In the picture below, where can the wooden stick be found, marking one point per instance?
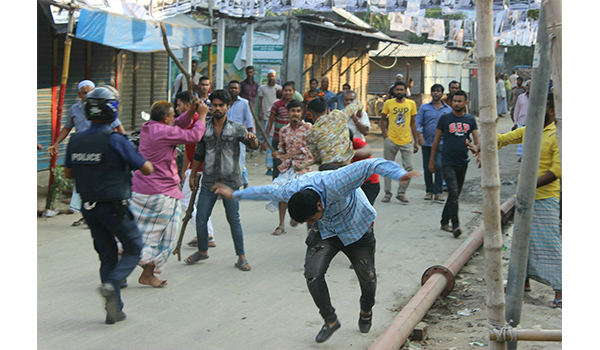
(187, 217)
(188, 78)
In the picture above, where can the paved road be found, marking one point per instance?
(213, 305)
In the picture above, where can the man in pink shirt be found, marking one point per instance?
(155, 199)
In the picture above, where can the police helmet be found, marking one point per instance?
(101, 104)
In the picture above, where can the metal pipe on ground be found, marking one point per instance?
(439, 282)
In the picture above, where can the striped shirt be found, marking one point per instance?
(347, 212)
(281, 117)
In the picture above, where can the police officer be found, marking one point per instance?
(100, 160)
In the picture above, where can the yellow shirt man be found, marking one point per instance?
(399, 118)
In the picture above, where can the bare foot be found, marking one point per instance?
(152, 280)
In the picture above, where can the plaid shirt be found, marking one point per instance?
(347, 211)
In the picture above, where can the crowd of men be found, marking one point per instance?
(317, 155)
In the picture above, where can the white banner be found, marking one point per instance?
(437, 31)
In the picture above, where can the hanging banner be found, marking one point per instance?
(466, 5)
(437, 31)
(434, 4)
(280, 6)
(448, 7)
(378, 6)
(454, 29)
(498, 16)
(353, 6)
(315, 5)
(396, 5)
(518, 5)
(396, 21)
(468, 36)
(498, 5)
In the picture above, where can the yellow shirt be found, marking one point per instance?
(549, 158)
(399, 117)
(328, 140)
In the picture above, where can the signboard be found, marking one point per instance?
(471, 55)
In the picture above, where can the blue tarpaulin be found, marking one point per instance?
(139, 35)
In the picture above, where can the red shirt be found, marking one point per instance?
(358, 143)
(190, 148)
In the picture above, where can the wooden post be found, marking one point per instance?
(490, 180)
(554, 28)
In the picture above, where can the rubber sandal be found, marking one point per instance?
(293, 223)
(278, 231)
(78, 222)
(243, 265)
(557, 304)
(194, 258)
(386, 198)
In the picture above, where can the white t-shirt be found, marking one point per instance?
(364, 120)
(269, 95)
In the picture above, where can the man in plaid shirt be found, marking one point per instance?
(342, 219)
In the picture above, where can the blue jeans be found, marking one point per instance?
(105, 224)
(204, 207)
(431, 185)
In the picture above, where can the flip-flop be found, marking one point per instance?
(243, 265)
(278, 231)
(78, 222)
(293, 223)
(557, 304)
(194, 258)
(386, 198)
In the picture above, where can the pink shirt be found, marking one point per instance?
(158, 142)
(521, 108)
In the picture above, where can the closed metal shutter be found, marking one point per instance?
(380, 79)
(45, 35)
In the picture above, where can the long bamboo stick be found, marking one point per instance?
(490, 179)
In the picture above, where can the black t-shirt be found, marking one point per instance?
(455, 132)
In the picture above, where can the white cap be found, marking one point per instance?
(271, 71)
(400, 75)
(85, 83)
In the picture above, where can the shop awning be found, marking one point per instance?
(140, 35)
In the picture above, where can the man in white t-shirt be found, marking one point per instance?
(267, 94)
(360, 125)
(181, 84)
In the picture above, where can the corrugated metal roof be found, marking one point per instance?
(410, 50)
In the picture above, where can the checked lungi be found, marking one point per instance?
(544, 263)
(159, 219)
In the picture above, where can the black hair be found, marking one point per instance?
(453, 82)
(351, 133)
(317, 105)
(288, 83)
(160, 109)
(313, 79)
(293, 104)
(460, 93)
(220, 95)
(399, 82)
(249, 67)
(550, 100)
(348, 85)
(204, 77)
(303, 204)
(437, 87)
(183, 96)
(233, 82)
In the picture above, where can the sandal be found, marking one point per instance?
(279, 230)
(386, 198)
(243, 265)
(293, 223)
(194, 258)
(557, 304)
(78, 222)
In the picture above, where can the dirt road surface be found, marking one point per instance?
(213, 305)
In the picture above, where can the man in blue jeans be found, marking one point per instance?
(454, 130)
(100, 160)
(427, 119)
(219, 151)
(340, 218)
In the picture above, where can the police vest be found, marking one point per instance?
(97, 177)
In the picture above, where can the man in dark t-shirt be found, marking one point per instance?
(454, 129)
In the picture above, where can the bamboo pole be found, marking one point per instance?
(554, 28)
(527, 335)
(61, 99)
(538, 93)
(490, 179)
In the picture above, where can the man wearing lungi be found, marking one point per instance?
(544, 262)
(155, 198)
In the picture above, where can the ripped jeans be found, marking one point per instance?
(320, 252)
